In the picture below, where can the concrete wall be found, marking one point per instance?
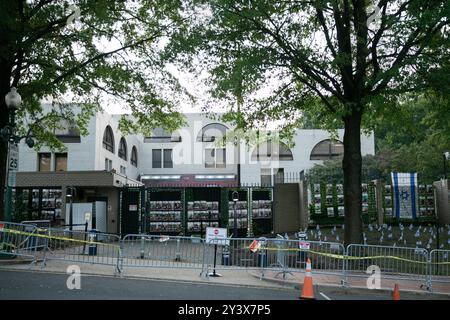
(286, 208)
(442, 196)
(188, 155)
(305, 141)
(89, 154)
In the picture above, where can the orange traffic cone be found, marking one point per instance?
(308, 290)
(396, 293)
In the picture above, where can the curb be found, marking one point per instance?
(204, 281)
(346, 290)
(8, 262)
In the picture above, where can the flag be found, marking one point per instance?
(405, 194)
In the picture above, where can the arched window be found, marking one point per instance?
(212, 132)
(327, 149)
(134, 159)
(272, 151)
(108, 139)
(160, 135)
(123, 149)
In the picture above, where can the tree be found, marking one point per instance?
(348, 54)
(53, 49)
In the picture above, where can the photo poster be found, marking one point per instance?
(426, 200)
(314, 198)
(405, 194)
(388, 206)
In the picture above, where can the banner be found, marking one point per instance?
(405, 194)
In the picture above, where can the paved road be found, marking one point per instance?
(43, 285)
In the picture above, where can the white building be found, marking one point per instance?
(192, 156)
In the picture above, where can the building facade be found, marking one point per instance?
(203, 153)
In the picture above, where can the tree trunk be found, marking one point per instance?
(352, 165)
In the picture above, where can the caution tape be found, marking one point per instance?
(56, 238)
(346, 257)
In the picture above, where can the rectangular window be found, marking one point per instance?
(156, 158)
(221, 158)
(209, 158)
(168, 158)
(44, 161)
(123, 170)
(108, 164)
(60, 161)
(215, 158)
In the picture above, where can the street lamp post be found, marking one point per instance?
(13, 101)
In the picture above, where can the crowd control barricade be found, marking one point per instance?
(82, 247)
(230, 254)
(18, 240)
(41, 229)
(160, 251)
(368, 262)
(439, 272)
(281, 256)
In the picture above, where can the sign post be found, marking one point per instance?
(304, 247)
(13, 166)
(218, 236)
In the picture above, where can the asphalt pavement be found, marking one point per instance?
(15, 284)
(42, 285)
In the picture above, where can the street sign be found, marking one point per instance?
(132, 207)
(87, 216)
(13, 164)
(304, 245)
(13, 157)
(217, 236)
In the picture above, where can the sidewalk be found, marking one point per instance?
(248, 278)
(354, 280)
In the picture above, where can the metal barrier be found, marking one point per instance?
(19, 240)
(281, 255)
(439, 267)
(394, 262)
(326, 257)
(38, 223)
(264, 254)
(82, 247)
(162, 251)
